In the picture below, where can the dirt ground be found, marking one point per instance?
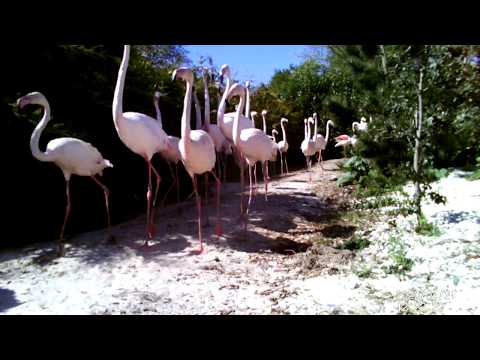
(294, 235)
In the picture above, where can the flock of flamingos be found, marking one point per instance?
(199, 150)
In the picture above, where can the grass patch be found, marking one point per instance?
(364, 272)
(474, 176)
(424, 227)
(355, 243)
(401, 263)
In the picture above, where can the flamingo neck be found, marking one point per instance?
(157, 111)
(198, 111)
(327, 132)
(247, 108)
(253, 120)
(316, 129)
(187, 108)
(117, 106)
(35, 139)
(274, 138)
(236, 120)
(284, 133)
(207, 103)
(264, 124)
(305, 131)
(221, 107)
(353, 125)
(309, 131)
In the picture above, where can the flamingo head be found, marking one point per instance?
(253, 113)
(305, 121)
(314, 115)
(183, 73)
(236, 90)
(363, 119)
(330, 122)
(247, 84)
(282, 120)
(157, 95)
(224, 71)
(32, 98)
(310, 120)
(264, 112)
(274, 132)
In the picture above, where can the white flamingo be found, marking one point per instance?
(252, 143)
(247, 107)
(72, 156)
(283, 146)
(197, 150)
(222, 146)
(308, 146)
(275, 150)
(170, 154)
(264, 114)
(252, 115)
(362, 125)
(141, 133)
(320, 141)
(225, 121)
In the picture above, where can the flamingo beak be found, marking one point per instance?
(174, 75)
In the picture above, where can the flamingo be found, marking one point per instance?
(320, 141)
(264, 114)
(362, 125)
(275, 150)
(225, 121)
(308, 146)
(197, 150)
(283, 145)
(72, 156)
(141, 133)
(252, 143)
(247, 107)
(346, 140)
(222, 146)
(170, 154)
(252, 115)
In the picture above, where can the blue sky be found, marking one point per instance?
(250, 62)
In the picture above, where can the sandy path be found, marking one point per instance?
(241, 273)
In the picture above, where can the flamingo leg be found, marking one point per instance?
(149, 199)
(162, 203)
(286, 163)
(111, 238)
(177, 183)
(255, 176)
(251, 187)
(199, 209)
(60, 244)
(152, 219)
(206, 199)
(265, 179)
(224, 160)
(218, 229)
(281, 163)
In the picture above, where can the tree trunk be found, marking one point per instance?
(417, 159)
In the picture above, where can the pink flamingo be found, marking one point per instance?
(142, 134)
(197, 150)
(72, 156)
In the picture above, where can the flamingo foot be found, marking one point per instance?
(219, 230)
(145, 246)
(111, 240)
(199, 250)
(61, 249)
(151, 231)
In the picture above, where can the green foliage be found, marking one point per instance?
(401, 263)
(356, 243)
(424, 227)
